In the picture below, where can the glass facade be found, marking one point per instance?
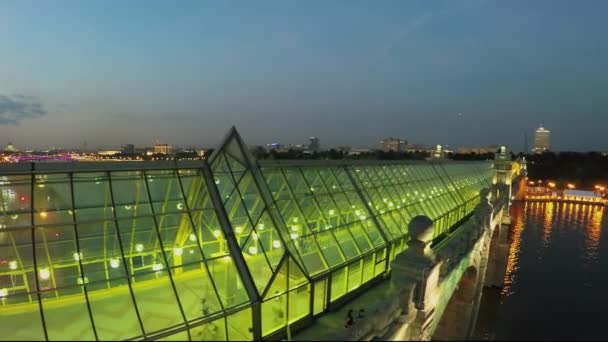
(225, 249)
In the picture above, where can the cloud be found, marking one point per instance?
(15, 108)
(399, 36)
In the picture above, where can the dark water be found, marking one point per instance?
(556, 284)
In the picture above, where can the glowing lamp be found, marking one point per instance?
(12, 265)
(179, 206)
(3, 293)
(139, 247)
(294, 228)
(192, 237)
(331, 211)
(43, 214)
(157, 267)
(77, 256)
(276, 244)
(253, 250)
(238, 229)
(217, 233)
(44, 273)
(114, 262)
(261, 226)
(178, 251)
(293, 236)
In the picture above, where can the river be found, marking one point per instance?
(556, 283)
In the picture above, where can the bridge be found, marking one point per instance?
(232, 248)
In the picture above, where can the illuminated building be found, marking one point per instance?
(161, 148)
(222, 248)
(542, 140)
(11, 148)
(393, 144)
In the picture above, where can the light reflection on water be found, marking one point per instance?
(556, 282)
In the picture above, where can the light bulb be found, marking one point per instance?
(157, 267)
(12, 265)
(77, 256)
(3, 293)
(114, 262)
(178, 251)
(253, 250)
(238, 229)
(192, 237)
(139, 247)
(217, 233)
(276, 244)
(44, 273)
(293, 236)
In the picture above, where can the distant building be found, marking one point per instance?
(393, 144)
(314, 145)
(161, 148)
(479, 150)
(344, 149)
(108, 152)
(438, 152)
(11, 148)
(542, 140)
(128, 149)
(358, 151)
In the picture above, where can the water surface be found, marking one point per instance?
(556, 284)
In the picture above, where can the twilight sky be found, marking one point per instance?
(347, 71)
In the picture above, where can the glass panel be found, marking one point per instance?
(240, 326)
(196, 293)
(320, 299)
(274, 314)
(299, 303)
(158, 307)
(67, 322)
(52, 199)
(212, 331)
(338, 284)
(354, 275)
(117, 310)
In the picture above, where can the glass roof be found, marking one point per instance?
(229, 249)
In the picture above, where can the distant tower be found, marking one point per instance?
(542, 140)
(314, 145)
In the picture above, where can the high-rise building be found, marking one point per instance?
(128, 149)
(393, 144)
(542, 140)
(314, 145)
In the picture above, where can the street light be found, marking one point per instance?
(551, 185)
(570, 186)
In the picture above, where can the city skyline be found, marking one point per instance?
(452, 73)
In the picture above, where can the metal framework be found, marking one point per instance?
(230, 249)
